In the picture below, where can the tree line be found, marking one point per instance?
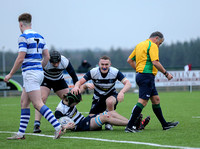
(173, 57)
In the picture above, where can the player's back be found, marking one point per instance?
(33, 44)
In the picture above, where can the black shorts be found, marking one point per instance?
(84, 125)
(99, 106)
(55, 85)
(146, 83)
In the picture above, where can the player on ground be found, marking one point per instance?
(67, 108)
(54, 79)
(105, 96)
(33, 55)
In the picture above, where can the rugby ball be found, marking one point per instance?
(64, 120)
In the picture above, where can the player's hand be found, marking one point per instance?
(76, 90)
(70, 125)
(169, 76)
(90, 86)
(7, 78)
(120, 97)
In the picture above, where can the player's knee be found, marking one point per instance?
(44, 99)
(109, 103)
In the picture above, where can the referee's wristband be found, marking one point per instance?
(166, 73)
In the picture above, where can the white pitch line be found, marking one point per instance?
(196, 117)
(106, 140)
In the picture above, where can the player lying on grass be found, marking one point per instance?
(67, 110)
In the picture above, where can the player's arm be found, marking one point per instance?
(159, 66)
(68, 126)
(72, 73)
(127, 86)
(131, 63)
(131, 59)
(78, 84)
(18, 62)
(85, 86)
(46, 57)
(76, 90)
(153, 52)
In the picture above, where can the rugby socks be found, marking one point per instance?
(137, 109)
(37, 123)
(47, 113)
(25, 116)
(158, 112)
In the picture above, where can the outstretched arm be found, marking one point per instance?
(83, 87)
(76, 90)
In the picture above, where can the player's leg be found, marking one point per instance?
(117, 115)
(25, 116)
(158, 112)
(60, 87)
(103, 118)
(144, 82)
(110, 103)
(35, 97)
(61, 92)
(45, 91)
(157, 109)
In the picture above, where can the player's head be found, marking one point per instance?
(24, 21)
(55, 58)
(104, 64)
(157, 37)
(71, 99)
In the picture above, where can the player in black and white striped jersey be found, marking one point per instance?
(54, 79)
(104, 78)
(67, 107)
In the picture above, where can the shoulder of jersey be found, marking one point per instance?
(113, 69)
(64, 60)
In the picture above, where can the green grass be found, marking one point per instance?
(178, 106)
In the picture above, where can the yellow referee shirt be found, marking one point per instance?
(144, 53)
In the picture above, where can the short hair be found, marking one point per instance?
(26, 18)
(157, 33)
(105, 57)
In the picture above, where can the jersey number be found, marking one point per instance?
(37, 40)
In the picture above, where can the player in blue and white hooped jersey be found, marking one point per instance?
(104, 77)
(54, 79)
(32, 56)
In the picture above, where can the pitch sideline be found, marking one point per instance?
(106, 140)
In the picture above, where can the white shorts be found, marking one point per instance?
(32, 80)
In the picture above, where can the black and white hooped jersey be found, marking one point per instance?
(71, 112)
(56, 73)
(103, 84)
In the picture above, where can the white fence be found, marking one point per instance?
(180, 78)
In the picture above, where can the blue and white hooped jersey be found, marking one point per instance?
(103, 85)
(33, 44)
(71, 112)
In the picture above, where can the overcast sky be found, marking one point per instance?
(80, 24)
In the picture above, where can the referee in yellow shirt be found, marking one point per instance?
(145, 60)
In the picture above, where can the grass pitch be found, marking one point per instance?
(177, 106)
